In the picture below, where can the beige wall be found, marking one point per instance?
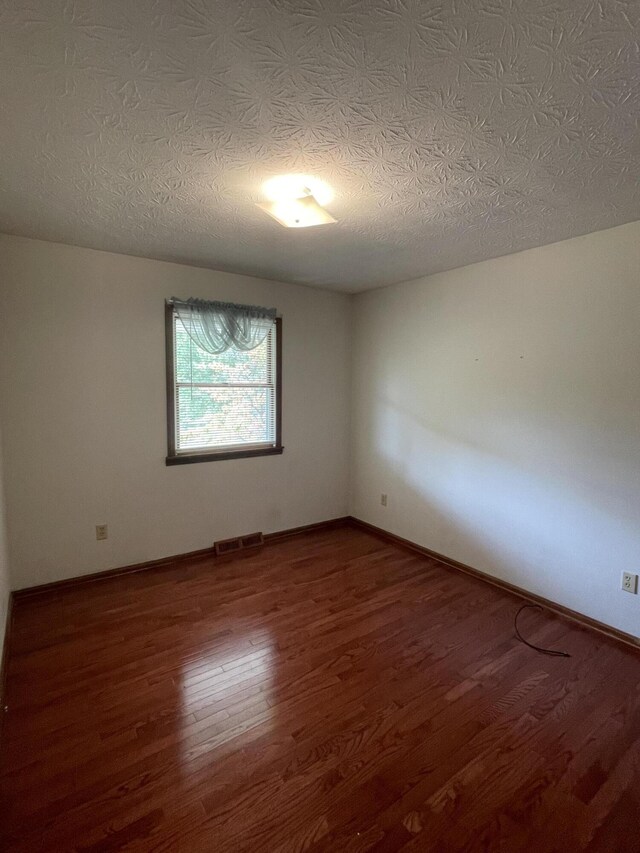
(5, 584)
(82, 384)
(498, 405)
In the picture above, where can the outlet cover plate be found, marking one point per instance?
(630, 582)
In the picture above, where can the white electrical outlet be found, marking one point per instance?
(629, 582)
(101, 531)
(383, 499)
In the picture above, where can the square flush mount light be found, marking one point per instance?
(297, 212)
(295, 201)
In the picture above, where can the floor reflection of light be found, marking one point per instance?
(225, 692)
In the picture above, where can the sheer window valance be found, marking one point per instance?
(218, 326)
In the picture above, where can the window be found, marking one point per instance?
(221, 406)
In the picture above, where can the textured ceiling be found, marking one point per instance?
(450, 131)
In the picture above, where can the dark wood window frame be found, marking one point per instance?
(174, 458)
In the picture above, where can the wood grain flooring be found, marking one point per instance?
(331, 691)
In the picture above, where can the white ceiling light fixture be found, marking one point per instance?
(298, 212)
(295, 201)
(296, 186)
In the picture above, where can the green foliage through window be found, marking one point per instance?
(224, 400)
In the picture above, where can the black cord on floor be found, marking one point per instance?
(542, 651)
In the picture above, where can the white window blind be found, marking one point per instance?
(225, 401)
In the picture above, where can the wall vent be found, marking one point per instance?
(238, 543)
(252, 540)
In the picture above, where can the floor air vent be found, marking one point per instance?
(239, 543)
(253, 540)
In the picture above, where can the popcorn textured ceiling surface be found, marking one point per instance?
(451, 131)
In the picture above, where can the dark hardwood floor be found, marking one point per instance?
(328, 692)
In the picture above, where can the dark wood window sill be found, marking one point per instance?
(217, 456)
